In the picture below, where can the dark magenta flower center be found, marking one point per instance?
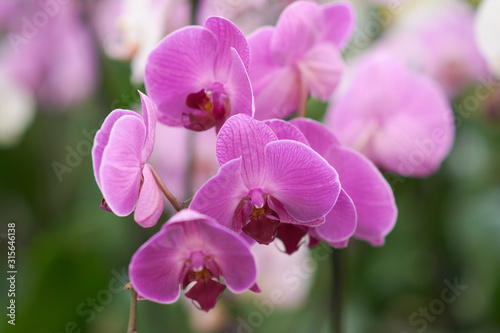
(291, 235)
(262, 224)
(209, 107)
(205, 274)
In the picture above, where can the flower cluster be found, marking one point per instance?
(281, 181)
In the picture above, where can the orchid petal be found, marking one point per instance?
(229, 36)
(320, 138)
(221, 195)
(276, 88)
(404, 123)
(370, 192)
(277, 95)
(340, 223)
(238, 87)
(300, 179)
(232, 254)
(149, 116)
(286, 131)
(321, 68)
(181, 64)
(150, 203)
(339, 23)
(102, 137)
(298, 28)
(156, 267)
(245, 137)
(120, 170)
(285, 217)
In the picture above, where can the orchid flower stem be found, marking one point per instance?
(132, 320)
(170, 197)
(337, 291)
(304, 96)
(194, 10)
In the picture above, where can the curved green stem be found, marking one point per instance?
(132, 320)
(337, 295)
(170, 197)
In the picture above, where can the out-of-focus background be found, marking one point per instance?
(64, 65)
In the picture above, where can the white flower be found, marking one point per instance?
(487, 31)
(17, 110)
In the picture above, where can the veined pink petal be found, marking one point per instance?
(150, 203)
(370, 192)
(120, 170)
(229, 36)
(340, 223)
(181, 64)
(286, 131)
(155, 268)
(321, 68)
(285, 217)
(102, 137)
(299, 28)
(238, 87)
(232, 254)
(339, 23)
(300, 179)
(220, 195)
(242, 136)
(320, 138)
(149, 116)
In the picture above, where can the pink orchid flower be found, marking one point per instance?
(264, 182)
(298, 57)
(197, 76)
(400, 120)
(121, 149)
(193, 251)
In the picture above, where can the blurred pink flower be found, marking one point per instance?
(49, 52)
(399, 119)
(299, 57)
(438, 40)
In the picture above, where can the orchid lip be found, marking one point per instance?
(201, 281)
(209, 106)
(262, 222)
